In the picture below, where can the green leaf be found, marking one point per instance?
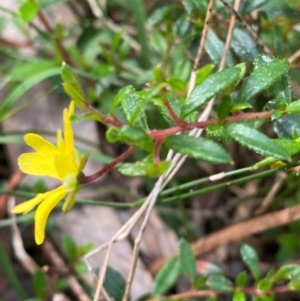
(281, 91)
(291, 146)
(293, 107)
(114, 284)
(69, 247)
(253, 4)
(244, 45)
(166, 277)
(132, 105)
(200, 283)
(174, 103)
(181, 26)
(28, 10)
(264, 75)
(224, 107)
(144, 167)
(40, 284)
(241, 279)
(215, 48)
(137, 137)
(288, 126)
(287, 272)
(255, 140)
(81, 268)
(203, 73)
(72, 86)
(219, 283)
(176, 84)
(250, 258)
(241, 106)
(113, 134)
(239, 296)
(187, 259)
(264, 284)
(198, 148)
(210, 87)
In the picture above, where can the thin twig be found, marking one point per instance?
(229, 35)
(57, 261)
(277, 184)
(294, 57)
(246, 26)
(237, 233)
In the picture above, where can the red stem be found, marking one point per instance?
(160, 134)
(173, 114)
(86, 179)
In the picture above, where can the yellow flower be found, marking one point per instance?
(62, 162)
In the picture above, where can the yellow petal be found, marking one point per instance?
(69, 136)
(38, 164)
(40, 144)
(43, 211)
(29, 205)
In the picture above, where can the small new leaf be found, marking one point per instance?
(28, 10)
(293, 107)
(72, 86)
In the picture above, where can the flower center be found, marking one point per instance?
(71, 182)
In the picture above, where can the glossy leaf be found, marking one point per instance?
(250, 258)
(166, 277)
(288, 126)
(219, 283)
(244, 45)
(114, 284)
(252, 5)
(137, 137)
(264, 285)
(187, 259)
(144, 167)
(224, 107)
(293, 107)
(281, 91)
(264, 75)
(132, 105)
(287, 272)
(203, 73)
(255, 140)
(291, 146)
(210, 87)
(176, 106)
(72, 86)
(214, 47)
(198, 148)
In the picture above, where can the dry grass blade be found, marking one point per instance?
(238, 232)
